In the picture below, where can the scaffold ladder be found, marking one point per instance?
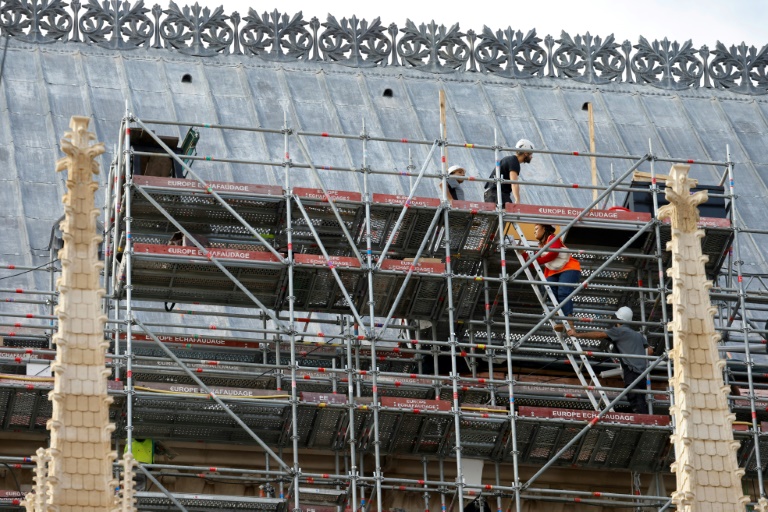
(564, 341)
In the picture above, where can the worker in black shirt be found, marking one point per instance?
(509, 168)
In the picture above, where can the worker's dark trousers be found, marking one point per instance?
(636, 400)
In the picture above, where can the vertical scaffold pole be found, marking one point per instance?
(745, 326)
(291, 316)
(127, 255)
(661, 287)
(507, 330)
(352, 437)
(118, 186)
(109, 242)
(648, 398)
(442, 485)
(445, 205)
(106, 242)
(372, 335)
(498, 484)
(112, 217)
(426, 478)
(488, 333)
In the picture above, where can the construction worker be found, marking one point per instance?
(509, 168)
(559, 267)
(456, 177)
(629, 342)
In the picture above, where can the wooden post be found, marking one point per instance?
(443, 126)
(588, 107)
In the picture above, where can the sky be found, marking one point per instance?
(703, 21)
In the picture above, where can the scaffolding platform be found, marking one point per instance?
(186, 274)
(24, 404)
(189, 203)
(157, 501)
(637, 442)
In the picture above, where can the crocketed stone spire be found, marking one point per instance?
(708, 475)
(75, 472)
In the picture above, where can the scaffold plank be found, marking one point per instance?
(411, 430)
(157, 501)
(617, 440)
(561, 214)
(262, 206)
(424, 291)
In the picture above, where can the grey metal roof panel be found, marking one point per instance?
(55, 74)
(191, 107)
(505, 99)
(755, 144)
(102, 70)
(704, 114)
(678, 141)
(762, 111)
(36, 164)
(636, 138)
(145, 74)
(107, 104)
(152, 106)
(39, 202)
(748, 179)
(25, 97)
(23, 69)
(224, 80)
(625, 108)
(743, 116)
(31, 130)
(266, 85)
(64, 99)
(13, 234)
(10, 199)
(665, 112)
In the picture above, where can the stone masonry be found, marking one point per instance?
(708, 475)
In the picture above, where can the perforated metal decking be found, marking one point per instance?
(155, 501)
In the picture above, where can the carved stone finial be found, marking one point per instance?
(706, 469)
(683, 205)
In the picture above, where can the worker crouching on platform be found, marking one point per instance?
(559, 267)
(625, 341)
(456, 176)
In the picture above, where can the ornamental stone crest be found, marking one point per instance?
(353, 42)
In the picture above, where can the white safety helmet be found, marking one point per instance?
(524, 144)
(455, 168)
(624, 314)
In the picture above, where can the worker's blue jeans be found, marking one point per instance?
(561, 292)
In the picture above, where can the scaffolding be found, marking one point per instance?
(387, 325)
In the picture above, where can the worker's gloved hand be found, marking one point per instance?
(605, 346)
